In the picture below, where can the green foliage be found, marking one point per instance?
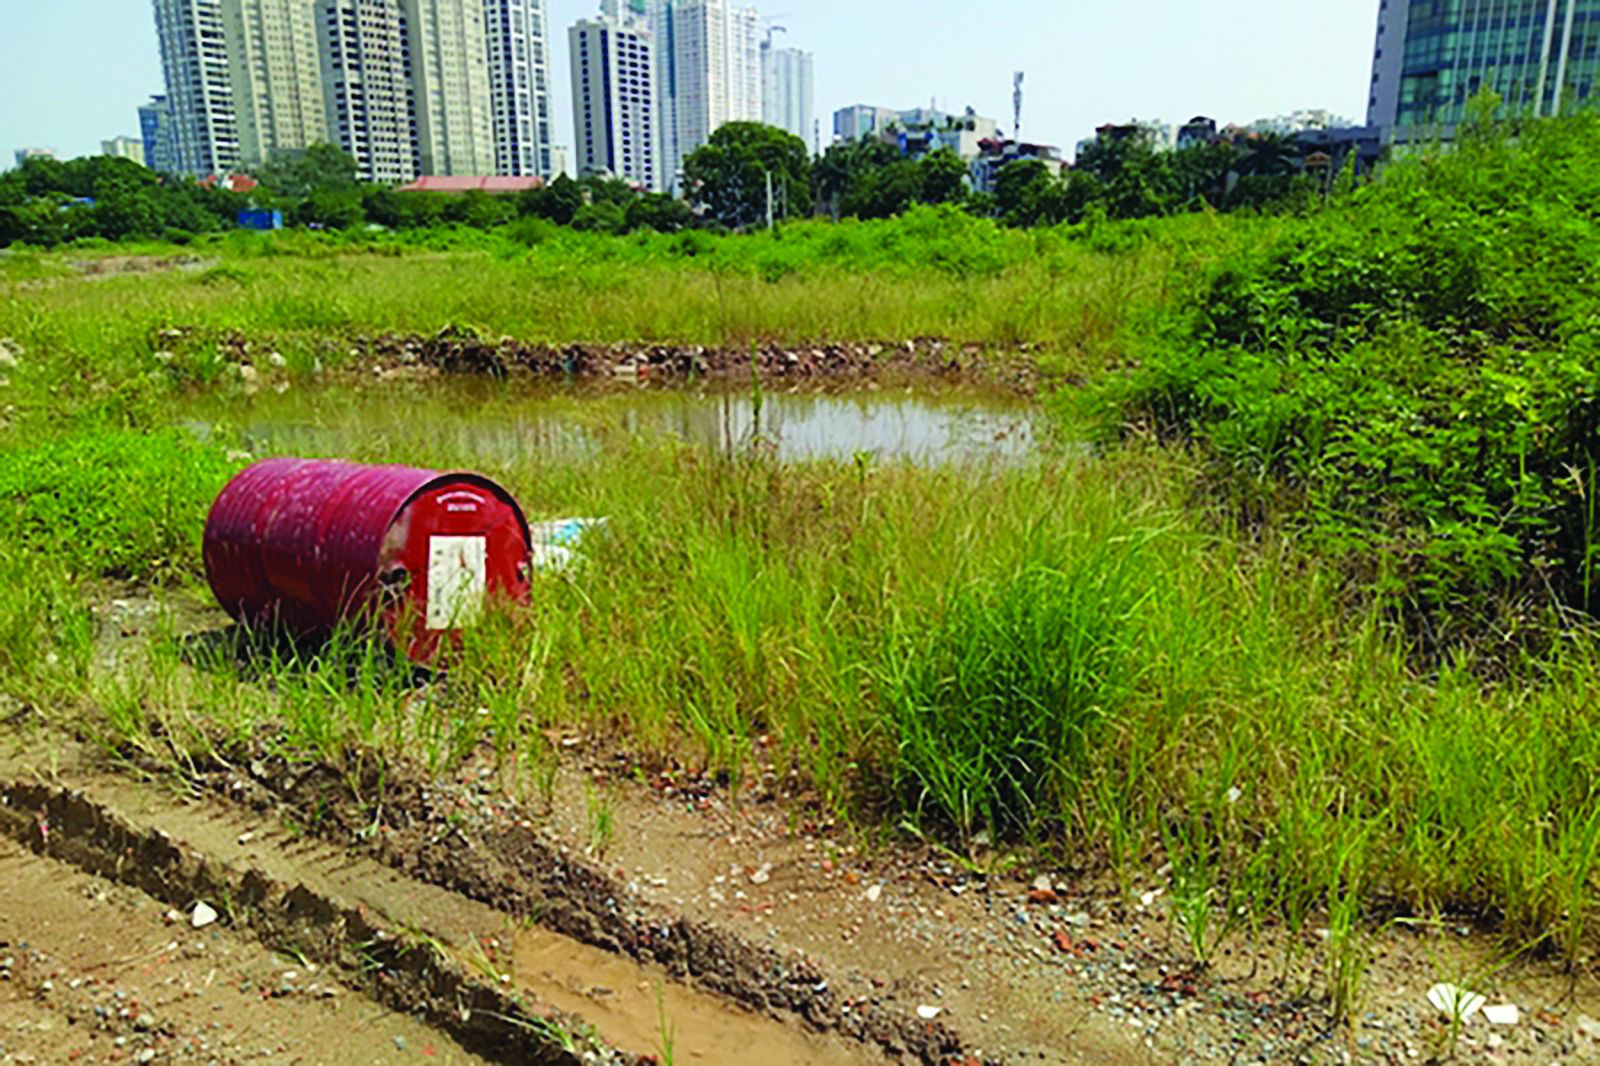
(728, 175)
(298, 175)
(48, 202)
(558, 201)
(113, 503)
(1413, 372)
(995, 709)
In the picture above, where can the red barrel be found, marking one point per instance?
(311, 542)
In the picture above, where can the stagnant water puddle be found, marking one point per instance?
(511, 422)
(637, 1009)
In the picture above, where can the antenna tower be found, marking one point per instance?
(1016, 107)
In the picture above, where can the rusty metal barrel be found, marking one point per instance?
(309, 543)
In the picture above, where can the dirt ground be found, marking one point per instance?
(94, 971)
(1039, 966)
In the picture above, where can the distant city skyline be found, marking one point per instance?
(85, 67)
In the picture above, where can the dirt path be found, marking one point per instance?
(1039, 966)
(696, 931)
(95, 971)
(303, 896)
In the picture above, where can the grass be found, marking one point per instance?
(1072, 654)
(894, 631)
(117, 347)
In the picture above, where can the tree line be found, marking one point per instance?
(746, 172)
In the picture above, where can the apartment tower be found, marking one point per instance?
(613, 96)
(276, 76)
(203, 129)
(1433, 56)
(155, 130)
(450, 65)
(787, 93)
(366, 78)
(708, 73)
(517, 37)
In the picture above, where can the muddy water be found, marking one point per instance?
(632, 1006)
(511, 422)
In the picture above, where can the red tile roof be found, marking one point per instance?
(232, 183)
(465, 183)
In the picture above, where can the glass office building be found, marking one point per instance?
(1433, 56)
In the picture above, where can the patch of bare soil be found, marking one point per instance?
(696, 930)
(494, 980)
(94, 971)
(1031, 965)
(113, 265)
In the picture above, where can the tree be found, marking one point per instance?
(327, 209)
(558, 201)
(842, 166)
(728, 175)
(600, 216)
(1201, 172)
(320, 168)
(884, 191)
(944, 177)
(1138, 180)
(664, 214)
(1018, 190)
(1270, 155)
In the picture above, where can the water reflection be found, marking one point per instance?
(476, 418)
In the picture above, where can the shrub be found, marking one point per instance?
(1413, 371)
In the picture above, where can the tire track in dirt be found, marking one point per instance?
(466, 956)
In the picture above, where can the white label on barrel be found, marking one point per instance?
(458, 579)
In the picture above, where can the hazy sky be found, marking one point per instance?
(73, 71)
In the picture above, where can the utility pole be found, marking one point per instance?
(769, 199)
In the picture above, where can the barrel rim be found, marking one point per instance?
(482, 481)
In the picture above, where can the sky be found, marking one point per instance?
(74, 71)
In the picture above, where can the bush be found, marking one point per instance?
(1413, 371)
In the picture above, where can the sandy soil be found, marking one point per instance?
(94, 971)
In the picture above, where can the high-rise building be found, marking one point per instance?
(519, 82)
(203, 134)
(708, 73)
(1433, 56)
(450, 65)
(276, 76)
(124, 148)
(613, 99)
(24, 154)
(367, 83)
(787, 93)
(155, 130)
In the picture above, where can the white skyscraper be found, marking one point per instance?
(519, 83)
(203, 133)
(450, 65)
(366, 75)
(613, 97)
(276, 76)
(708, 73)
(787, 95)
